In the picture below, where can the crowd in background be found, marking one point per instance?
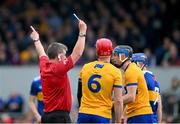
(171, 102)
(150, 26)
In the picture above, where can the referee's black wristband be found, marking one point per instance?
(82, 35)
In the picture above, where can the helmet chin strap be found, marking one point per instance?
(142, 68)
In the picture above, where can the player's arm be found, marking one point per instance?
(33, 108)
(131, 93)
(80, 44)
(39, 47)
(159, 110)
(79, 92)
(118, 104)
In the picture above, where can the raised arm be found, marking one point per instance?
(80, 44)
(39, 48)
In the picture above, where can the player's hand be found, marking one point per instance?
(82, 27)
(124, 120)
(38, 119)
(34, 34)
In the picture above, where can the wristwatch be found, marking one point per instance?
(82, 35)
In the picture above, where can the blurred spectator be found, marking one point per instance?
(160, 51)
(176, 38)
(15, 103)
(151, 58)
(14, 57)
(1, 105)
(171, 57)
(172, 98)
(3, 57)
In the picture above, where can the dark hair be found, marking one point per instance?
(54, 49)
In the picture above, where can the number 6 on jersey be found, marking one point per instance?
(93, 85)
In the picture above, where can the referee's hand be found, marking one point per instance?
(82, 27)
(34, 34)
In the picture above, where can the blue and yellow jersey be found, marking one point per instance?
(36, 90)
(135, 77)
(154, 90)
(98, 79)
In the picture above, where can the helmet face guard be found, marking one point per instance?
(121, 54)
(140, 59)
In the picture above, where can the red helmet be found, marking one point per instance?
(104, 47)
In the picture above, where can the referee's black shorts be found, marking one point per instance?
(56, 117)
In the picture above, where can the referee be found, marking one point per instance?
(55, 82)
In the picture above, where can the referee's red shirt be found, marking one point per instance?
(55, 84)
